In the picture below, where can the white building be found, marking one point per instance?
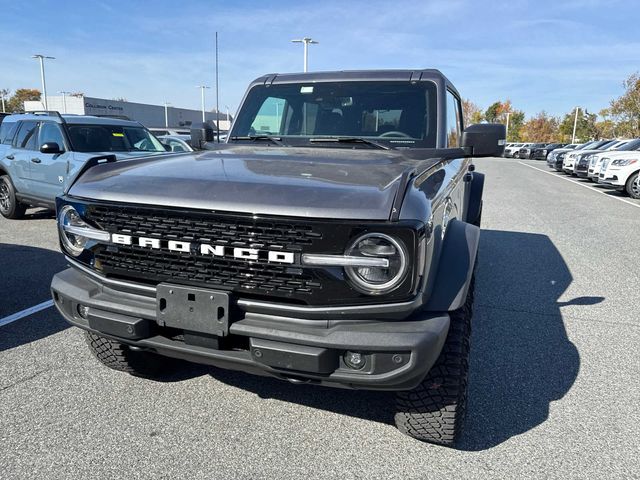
(151, 116)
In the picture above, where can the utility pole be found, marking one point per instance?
(44, 83)
(166, 114)
(2, 94)
(64, 100)
(202, 89)
(306, 41)
(575, 124)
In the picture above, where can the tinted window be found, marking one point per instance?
(453, 120)
(112, 138)
(632, 145)
(7, 131)
(27, 135)
(50, 133)
(392, 112)
(176, 145)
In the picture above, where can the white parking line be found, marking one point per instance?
(25, 313)
(637, 205)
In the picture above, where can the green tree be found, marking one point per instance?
(516, 122)
(21, 95)
(586, 128)
(626, 109)
(492, 112)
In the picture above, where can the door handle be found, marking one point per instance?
(9, 157)
(36, 160)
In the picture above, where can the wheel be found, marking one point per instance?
(633, 185)
(121, 357)
(10, 207)
(516, 155)
(434, 411)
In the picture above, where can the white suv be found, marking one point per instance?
(620, 171)
(571, 159)
(512, 148)
(595, 160)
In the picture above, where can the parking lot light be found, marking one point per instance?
(64, 100)
(575, 124)
(44, 84)
(202, 89)
(306, 41)
(166, 114)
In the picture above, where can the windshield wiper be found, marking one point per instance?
(255, 138)
(351, 140)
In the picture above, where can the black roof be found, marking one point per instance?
(355, 75)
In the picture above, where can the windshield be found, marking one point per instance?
(632, 145)
(399, 114)
(113, 138)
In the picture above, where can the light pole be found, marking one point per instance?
(64, 100)
(306, 41)
(506, 134)
(2, 94)
(575, 124)
(228, 117)
(202, 89)
(166, 114)
(44, 83)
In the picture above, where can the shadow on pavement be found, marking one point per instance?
(521, 361)
(25, 276)
(521, 357)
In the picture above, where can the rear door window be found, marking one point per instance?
(27, 135)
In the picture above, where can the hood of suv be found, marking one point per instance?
(303, 182)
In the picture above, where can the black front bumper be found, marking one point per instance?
(399, 353)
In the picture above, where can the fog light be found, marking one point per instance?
(355, 360)
(83, 311)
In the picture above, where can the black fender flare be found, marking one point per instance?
(455, 267)
(476, 189)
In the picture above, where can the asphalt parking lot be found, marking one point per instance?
(554, 388)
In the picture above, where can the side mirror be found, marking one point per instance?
(200, 135)
(52, 148)
(485, 139)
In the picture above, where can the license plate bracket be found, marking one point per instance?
(192, 308)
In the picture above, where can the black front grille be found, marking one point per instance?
(158, 265)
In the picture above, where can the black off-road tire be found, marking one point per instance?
(10, 207)
(121, 357)
(435, 410)
(633, 185)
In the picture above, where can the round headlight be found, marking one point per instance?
(378, 280)
(72, 242)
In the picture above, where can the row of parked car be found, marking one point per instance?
(614, 163)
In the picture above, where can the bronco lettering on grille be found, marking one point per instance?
(254, 254)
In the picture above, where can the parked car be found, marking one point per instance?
(569, 161)
(556, 159)
(527, 151)
(516, 154)
(596, 159)
(581, 165)
(159, 132)
(541, 153)
(511, 149)
(41, 153)
(620, 171)
(177, 143)
(337, 251)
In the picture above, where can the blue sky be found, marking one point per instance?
(543, 55)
